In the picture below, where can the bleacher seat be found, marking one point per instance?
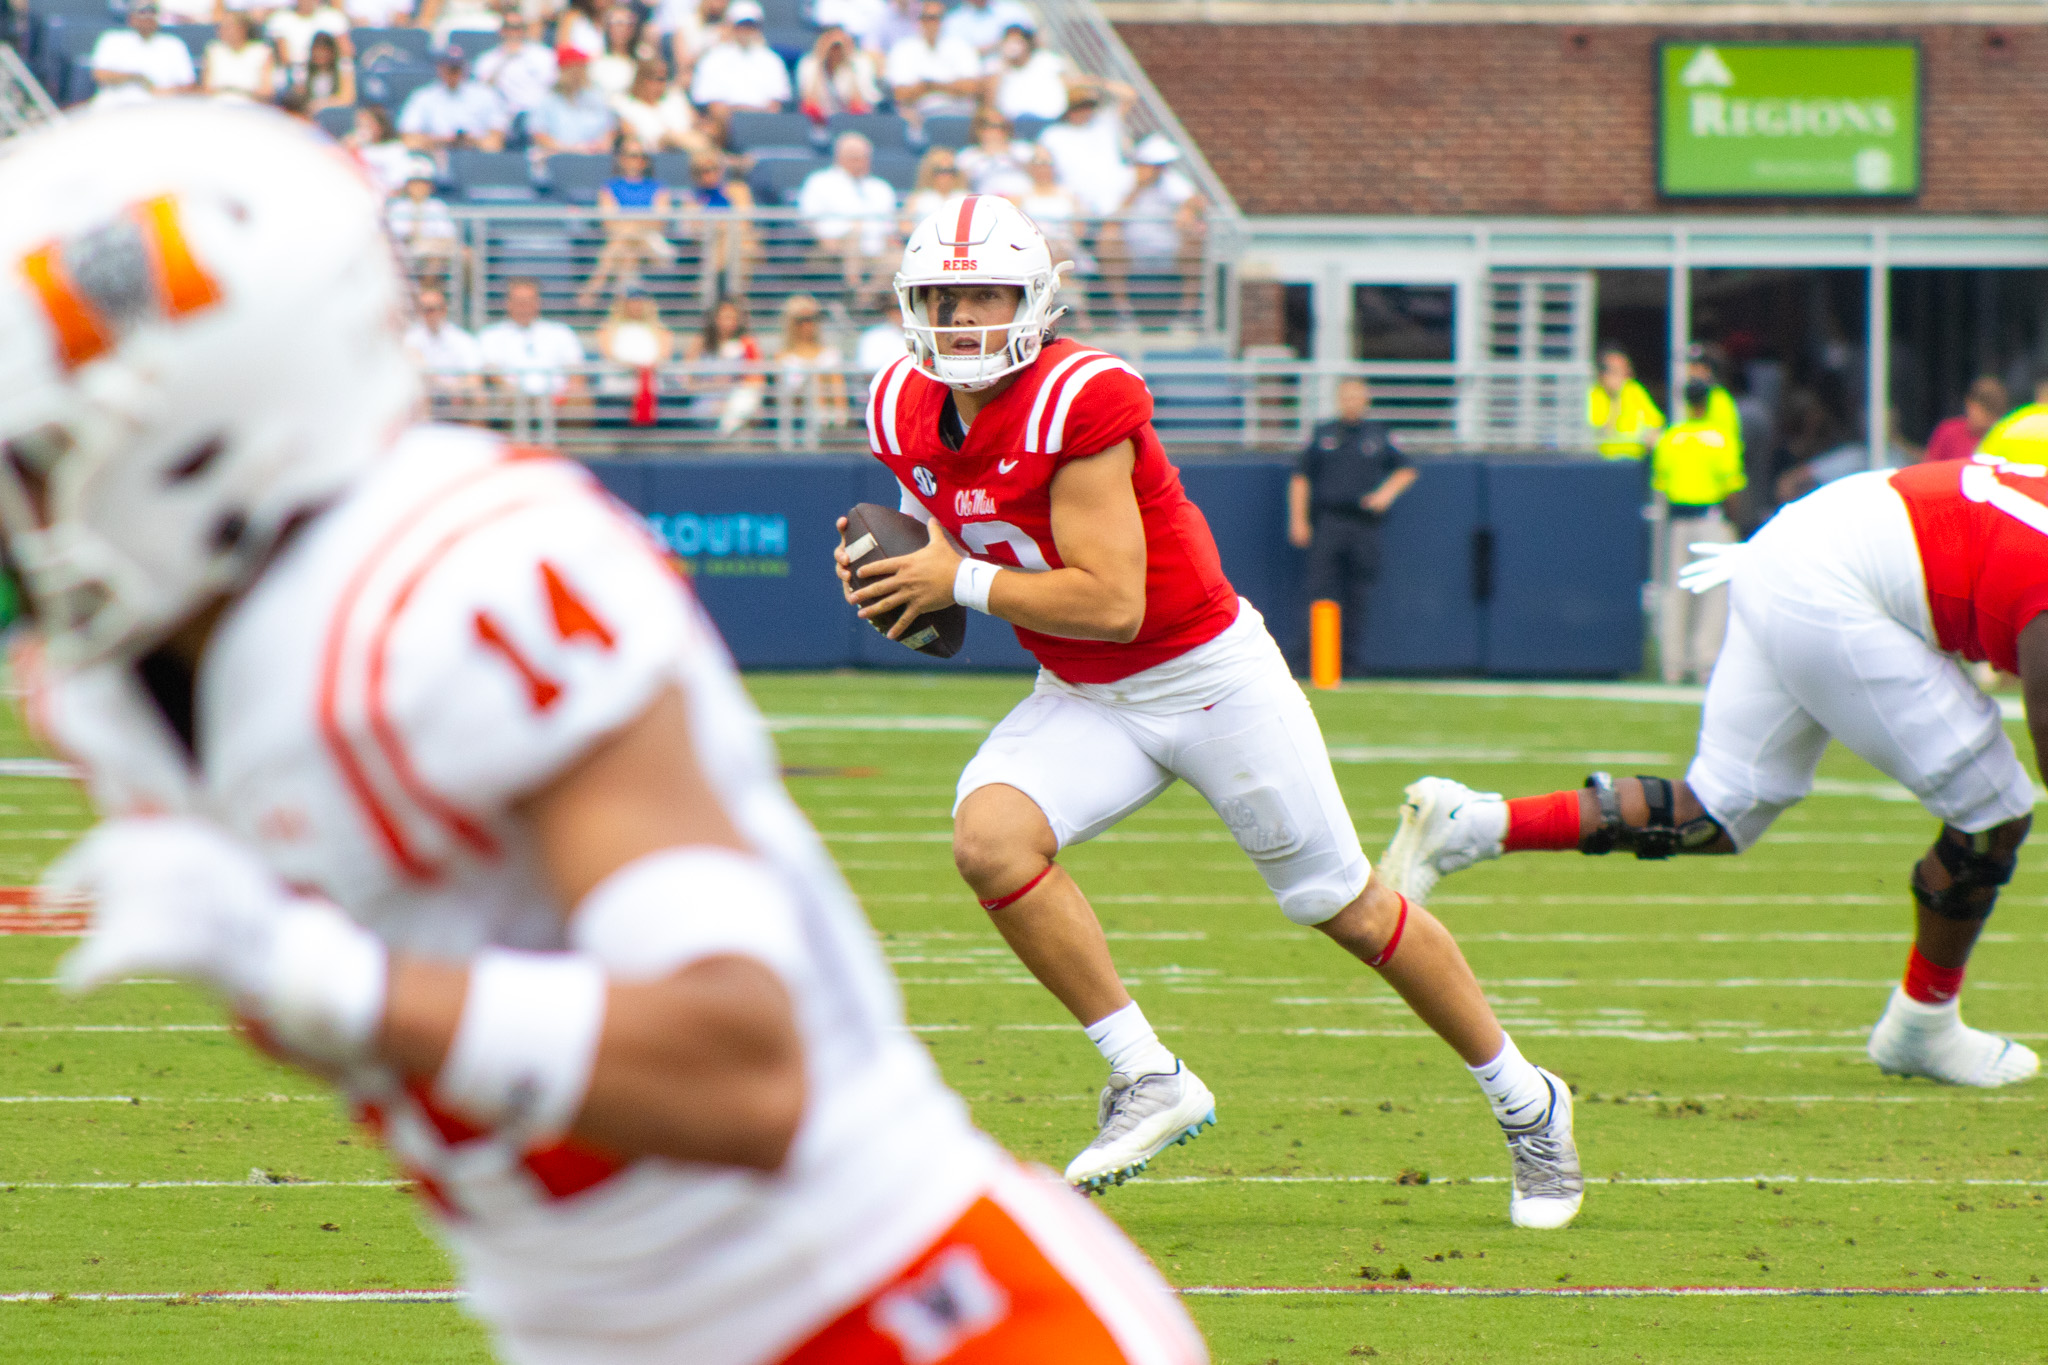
(1027, 127)
(948, 130)
(576, 177)
(472, 43)
(491, 177)
(381, 47)
(785, 12)
(66, 47)
(889, 132)
(790, 42)
(898, 168)
(336, 123)
(750, 130)
(777, 180)
(1188, 403)
(673, 169)
(391, 86)
(39, 19)
(195, 37)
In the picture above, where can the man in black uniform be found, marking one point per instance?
(1348, 476)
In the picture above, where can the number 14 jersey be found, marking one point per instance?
(994, 494)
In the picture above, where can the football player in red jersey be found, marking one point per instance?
(1850, 607)
(1053, 506)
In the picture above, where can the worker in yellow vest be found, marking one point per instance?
(1696, 467)
(1703, 363)
(1625, 422)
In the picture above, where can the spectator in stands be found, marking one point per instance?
(742, 72)
(1088, 146)
(1158, 229)
(656, 114)
(851, 212)
(378, 13)
(446, 354)
(880, 346)
(899, 20)
(293, 29)
(994, 163)
(1956, 438)
(860, 20)
(444, 17)
(520, 70)
(811, 372)
(636, 207)
(931, 74)
(329, 80)
(577, 26)
(837, 77)
(938, 180)
(725, 382)
(634, 339)
(454, 111)
(528, 352)
(421, 225)
(576, 116)
(175, 11)
(981, 24)
(1024, 80)
(375, 142)
(140, 61)
(626, 45)
(1059, 214)
(718, 205)
(238, 64)
(687, 29)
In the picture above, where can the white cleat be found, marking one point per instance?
(1445, 827)
(1548, 1185)
(1140, 1117)
(1912, 1039)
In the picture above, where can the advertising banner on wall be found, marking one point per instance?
(1760, 120)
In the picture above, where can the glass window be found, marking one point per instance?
(1403, 322)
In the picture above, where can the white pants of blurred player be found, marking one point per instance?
(1228, 719)
(1829, 635)
(1691, 626)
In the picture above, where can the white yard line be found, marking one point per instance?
(11, 1186)
(255, 1296)
(1656, 1181)
(1622, 1291)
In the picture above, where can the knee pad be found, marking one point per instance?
(1661, 837)
(1973, 867)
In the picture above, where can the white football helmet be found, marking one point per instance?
(199, 341)
(977, 239)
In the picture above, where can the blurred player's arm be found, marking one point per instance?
(1098, 592)
(704, 1064)
(2033, 661)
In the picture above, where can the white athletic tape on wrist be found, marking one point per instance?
(668, 909)
(325, 995)
(523, 1052)
(972, 581)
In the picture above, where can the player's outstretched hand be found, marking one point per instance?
(922, 581)
(175, 896)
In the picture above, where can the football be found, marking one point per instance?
(875, 533)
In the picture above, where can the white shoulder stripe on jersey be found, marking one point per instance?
(874, 402)
(1056, 430)
(1052, 381)
(899, 374)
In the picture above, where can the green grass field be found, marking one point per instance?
(1709, 1012)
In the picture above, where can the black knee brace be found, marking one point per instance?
(1661, 837)
(1972, 868)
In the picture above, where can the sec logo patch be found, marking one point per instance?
(927, 483)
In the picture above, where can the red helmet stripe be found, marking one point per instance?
(963, 232)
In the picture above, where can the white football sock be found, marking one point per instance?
(1126, 1041)
(1513, 1086)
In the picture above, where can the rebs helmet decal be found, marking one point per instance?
(977, 239)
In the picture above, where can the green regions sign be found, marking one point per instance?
(1759, 119)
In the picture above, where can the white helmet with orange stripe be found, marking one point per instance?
(978, 239)
(199, 343)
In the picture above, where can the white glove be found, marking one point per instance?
(1713, 565)
(179, 897)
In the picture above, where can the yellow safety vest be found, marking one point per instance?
(2022, 437)
(1724, 418)
(1696, 465)
(1636, 414)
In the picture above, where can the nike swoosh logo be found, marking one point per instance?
(1005, 466)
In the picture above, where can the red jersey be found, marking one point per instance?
(1982, 528)
(995, 493)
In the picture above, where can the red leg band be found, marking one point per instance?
(1395, 941)
(1020, 893)
(1549, 823)
(1929, 984)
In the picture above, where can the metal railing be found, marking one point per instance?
(1201, 407)
(23, 101)
(687, 260)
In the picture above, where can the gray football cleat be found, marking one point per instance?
(1445, 827)
(1548, 1185)
(1140, 1117)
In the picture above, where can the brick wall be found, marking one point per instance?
(1533, 119)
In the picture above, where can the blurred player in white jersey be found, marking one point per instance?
(413, 748)
(1036, 456)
